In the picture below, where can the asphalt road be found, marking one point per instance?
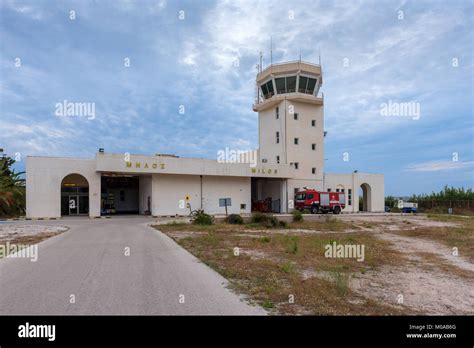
(88, 264)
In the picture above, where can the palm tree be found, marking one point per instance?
(12, 189)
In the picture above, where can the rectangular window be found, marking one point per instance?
(291, 84)
(349, 197)
(297, 165)
(277, 113)
(267, 89)
(278, 159)
(303, 83)
(329, 190)
(225, 202)
(280, 85)
(311, 84)
(277, 137)
(337, 190)
(313, 170)
(313, 147)
(313, 123)
(243, 206)
(295, 115)
(296, 141)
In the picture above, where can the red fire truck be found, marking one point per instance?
(320, 202)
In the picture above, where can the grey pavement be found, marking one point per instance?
(89, 262)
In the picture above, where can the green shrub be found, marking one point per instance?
(268, 304)
(267, 221)
(342, 283)
(258, 217)
(287, 267)
(265, 239)
(235, 219)
(292, 246)
(297, 215)
(201, 218)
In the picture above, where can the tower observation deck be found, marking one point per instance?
(297, 81)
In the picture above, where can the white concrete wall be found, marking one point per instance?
(236, 188)
(145, 191)
(170, 191)
(289, 130)
(43, 184)
(353, 181)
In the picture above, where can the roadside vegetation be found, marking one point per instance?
(286, 271)
(12, 189)
(460, 200)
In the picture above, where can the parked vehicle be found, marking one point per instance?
(408, 207)
(320, 202)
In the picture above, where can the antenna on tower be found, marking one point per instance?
(271, 50)
(261, 61)
(300, 54)
(319, 55)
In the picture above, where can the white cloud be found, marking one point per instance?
(435, 166)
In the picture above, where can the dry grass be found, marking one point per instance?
(461, 237)
(273, 267)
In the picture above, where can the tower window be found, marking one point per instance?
(267, 89)
(291, 84)
(296, 141)
(313, 170)
(306, 85)
(277, 113)
(313, 123)
(295, 115)
(313, 147)
(297, 165)
(280, 85)
(278, 159)
(277, 137)
(329, 190)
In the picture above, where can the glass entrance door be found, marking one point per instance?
(73, 205)
(83, 205)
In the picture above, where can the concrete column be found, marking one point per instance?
(94, 194)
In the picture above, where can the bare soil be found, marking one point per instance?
(410, 265)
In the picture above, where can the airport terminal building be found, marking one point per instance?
(290, 158)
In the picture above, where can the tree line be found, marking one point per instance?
(446, 194)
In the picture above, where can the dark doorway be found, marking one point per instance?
(119, 195)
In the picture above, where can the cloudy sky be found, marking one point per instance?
(139, 61)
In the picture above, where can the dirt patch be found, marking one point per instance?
(409, 265)
(412, 245)
(434, 293)
(21, 236)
